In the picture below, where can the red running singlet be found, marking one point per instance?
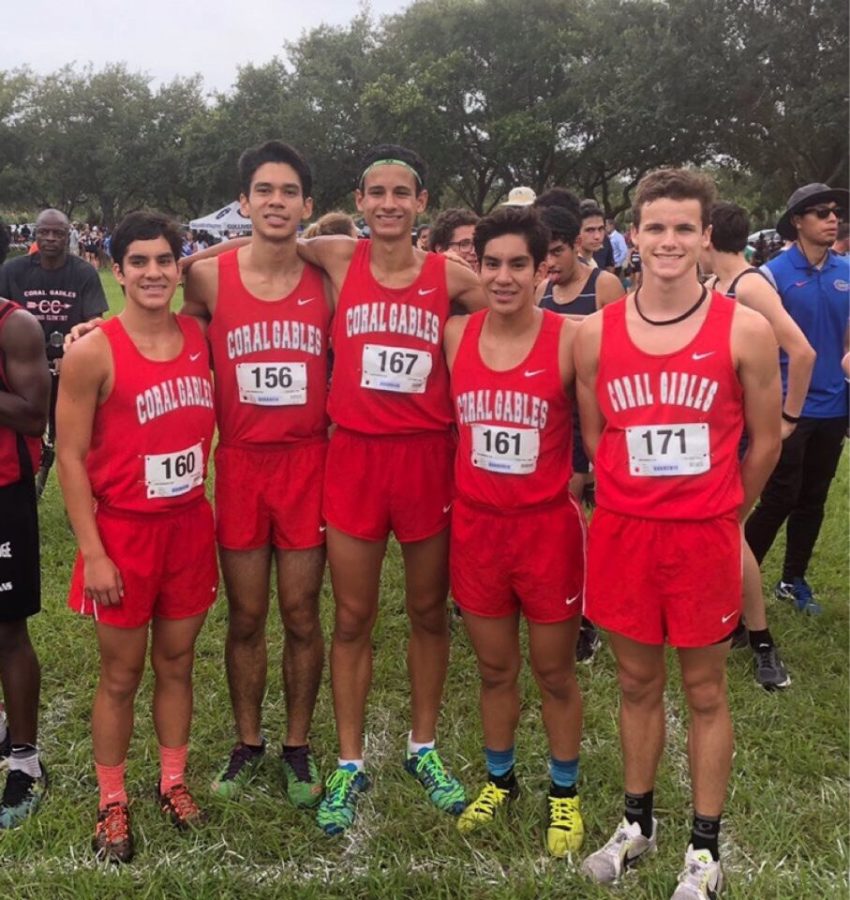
(10, 454)
(669, 448)
(151, 437)
(390, 375)
(515, 427)
(270, 359)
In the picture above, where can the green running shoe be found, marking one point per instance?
(443, 789)
(339, 805)
(22, 797)
(303, 782)
(237, 770)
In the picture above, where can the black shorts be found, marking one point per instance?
(20, 574)
(581, 464)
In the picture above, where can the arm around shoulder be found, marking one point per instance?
(464, 287)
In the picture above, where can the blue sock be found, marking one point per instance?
(564, 773)
(499, 762)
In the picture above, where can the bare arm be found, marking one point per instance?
(464, 287)
(85, 379)
(755, 292)
(332, 253)
(22, 345)
(754, 350)
(200, 289)
(608, 289)
(186, 262)
(586, 346)
(566, 354)
(452, 334)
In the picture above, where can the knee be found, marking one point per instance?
(706, 696)
(120, 682)
(641, 687)
(301, 621)
(352, 625)
(498, 676)
(556, 680)
(429, 616)
(246, 627)
(172, 663)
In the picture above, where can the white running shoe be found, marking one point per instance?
(701, 879)
(626, 847)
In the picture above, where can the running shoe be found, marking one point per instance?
(179, 806)
(701, 879)
(339, 805)
(113, 839)
(483, 809)
(740, 636)
(626, 846)
(769, 669)
(443, 789)
(303, 782)
(237, 771)
(22, 796)
(799, 594)
(588, 642)
(565, 829)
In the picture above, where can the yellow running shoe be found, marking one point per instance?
(565, 830)
(484, 807)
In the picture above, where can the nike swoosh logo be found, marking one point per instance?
(447, 508)
(424, 291)
(303, 302)
(194, 356)
(800, 283)
(726, 618)
(571, 600)
(698, 356)
(323, 528)
(535, 372)
(113, 795)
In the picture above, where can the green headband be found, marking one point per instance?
(392, 162)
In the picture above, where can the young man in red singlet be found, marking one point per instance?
(667, 380)
(389, 463)
(268, 315)
(135, 413)
(24, 396)
(517, 543)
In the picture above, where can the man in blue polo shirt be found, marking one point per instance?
(814, 284)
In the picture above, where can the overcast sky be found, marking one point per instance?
(165, 38)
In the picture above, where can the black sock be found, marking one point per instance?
(761, 639)
(705, 834)
(639, 809)
(562, 790)
(506, 782)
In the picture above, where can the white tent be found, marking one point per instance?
(228, 220)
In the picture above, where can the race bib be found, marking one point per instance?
(272, 383)
(512, 451)
(174, 474)
(657, 450)
(395, 369)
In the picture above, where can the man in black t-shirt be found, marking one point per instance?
(59, 289)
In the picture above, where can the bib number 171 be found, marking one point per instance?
(659, 450)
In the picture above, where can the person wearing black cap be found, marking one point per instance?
(814, 284)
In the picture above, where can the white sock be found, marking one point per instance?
(25, 761)
(358, 764)
(413, 747)
(4, 730)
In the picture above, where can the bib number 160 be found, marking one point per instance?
(173, 474)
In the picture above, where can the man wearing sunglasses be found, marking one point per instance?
(814, 284)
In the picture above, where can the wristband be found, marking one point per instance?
(792, 419)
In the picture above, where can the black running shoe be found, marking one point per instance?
(769, 670)
(588, 642)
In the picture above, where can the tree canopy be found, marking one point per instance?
(589, 94)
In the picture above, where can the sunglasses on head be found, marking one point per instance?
(824, 212)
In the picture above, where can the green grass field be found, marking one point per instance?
(786, 825)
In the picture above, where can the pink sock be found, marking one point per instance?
(110, 780)
(172, 761)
